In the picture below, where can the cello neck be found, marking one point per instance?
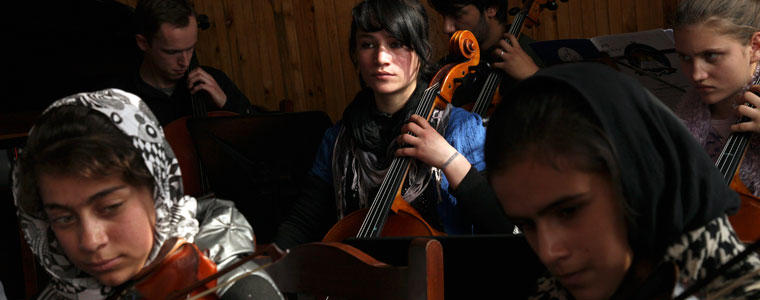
(198, 103)
(733, 151)
(196, 100)
(394, 179)
(519, 20)
(495, 77)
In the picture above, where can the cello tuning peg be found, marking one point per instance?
(513, 11)
(551, 5)
(203, 22)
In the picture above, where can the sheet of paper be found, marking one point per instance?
(650, 57)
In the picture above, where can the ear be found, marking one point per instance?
(142, 42)
(491, 11)
(754, 43)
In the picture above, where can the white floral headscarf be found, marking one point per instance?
(175, 212)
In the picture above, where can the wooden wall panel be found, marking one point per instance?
(298, 49)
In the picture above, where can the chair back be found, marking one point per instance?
(341, 271)
(259, 162)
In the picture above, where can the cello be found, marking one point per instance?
(194, 179)
(389, 214)
(488, 95)
(746, 221)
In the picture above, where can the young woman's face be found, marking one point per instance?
(105, 226)
(718, 65)
(385, 64)
(574, 222)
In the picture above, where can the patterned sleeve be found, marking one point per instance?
(226, 235)
(702, 251)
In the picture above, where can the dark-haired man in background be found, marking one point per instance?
(487, 20)
(166, 33)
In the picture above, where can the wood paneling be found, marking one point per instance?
(298, 49)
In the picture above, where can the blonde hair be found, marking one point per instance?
(737, 18)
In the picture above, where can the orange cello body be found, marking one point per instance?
(746, 221)
(403, 219)
(184, 149)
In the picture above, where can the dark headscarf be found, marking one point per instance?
(667, 180)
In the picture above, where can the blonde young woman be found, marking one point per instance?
(719, 45)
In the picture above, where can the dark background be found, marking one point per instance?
(52, 49)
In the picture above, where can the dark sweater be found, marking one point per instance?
(169, 108)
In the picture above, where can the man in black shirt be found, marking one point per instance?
(167, 33)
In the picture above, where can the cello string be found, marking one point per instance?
(517, 23)
(725, 157)
(733, 151)
(385, 200)
(486, 93)
(377, 206)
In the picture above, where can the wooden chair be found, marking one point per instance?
(260, 162)
(342, 271)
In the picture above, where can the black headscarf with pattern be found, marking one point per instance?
(667, 180)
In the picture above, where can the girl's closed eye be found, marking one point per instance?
(61, 220)
(367, 45)
(569, 211)
(712, 56)
(396, 44)
(112, 208)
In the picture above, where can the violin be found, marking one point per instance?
(489, 96)
(185, 272)
(389, 214)
(181, 264)
(746, 221)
